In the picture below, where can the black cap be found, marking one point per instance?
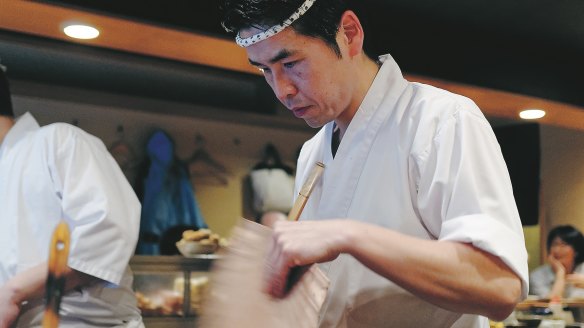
(5, 100)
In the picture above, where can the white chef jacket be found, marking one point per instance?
(421, 161)
(60, 172)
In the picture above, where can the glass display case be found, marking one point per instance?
(170, 289)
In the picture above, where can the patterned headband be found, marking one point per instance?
(276, 28)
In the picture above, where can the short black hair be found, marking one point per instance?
(5, 99)
(570, 236)
(321, 21)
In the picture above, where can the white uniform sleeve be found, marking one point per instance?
(465, 191)
(97, 202)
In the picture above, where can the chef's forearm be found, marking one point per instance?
(455, 276)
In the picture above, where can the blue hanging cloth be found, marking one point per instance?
(168, 197)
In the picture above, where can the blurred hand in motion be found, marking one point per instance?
(576, 279)
(270, 218)
(301, 243)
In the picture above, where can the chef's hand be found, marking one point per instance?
(557, 266)
(9, 307)
(576, 279)
(301, 243)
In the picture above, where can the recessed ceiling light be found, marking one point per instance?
(532, 114)
(79, 31)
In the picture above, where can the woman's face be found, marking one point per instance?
(564, 253)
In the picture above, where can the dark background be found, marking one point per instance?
(531, 47)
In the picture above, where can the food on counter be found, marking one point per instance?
(202, 241)
(197, 235)
(162, 303)
(199, 288)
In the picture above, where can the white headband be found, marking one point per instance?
(276, 28)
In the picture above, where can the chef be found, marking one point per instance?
(414, 220)
(60, 172)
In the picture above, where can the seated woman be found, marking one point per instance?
(563, 276)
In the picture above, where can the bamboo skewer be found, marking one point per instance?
(58, 255)
(296, 273)
(305, 192)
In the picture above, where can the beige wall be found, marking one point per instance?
(562, 186)
(237, 146)
(532, 243)
(563, 176)
(562, 169)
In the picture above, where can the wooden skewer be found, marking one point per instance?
(305, 192)
(58, 255)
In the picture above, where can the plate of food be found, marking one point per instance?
(197, 242)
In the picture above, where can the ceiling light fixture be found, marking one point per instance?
(79, 31)
(532, 114)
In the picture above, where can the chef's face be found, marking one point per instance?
(305, 74)
(563, 252)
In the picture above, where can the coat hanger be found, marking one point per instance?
(205, 169)
(271, 160)
(121, 150)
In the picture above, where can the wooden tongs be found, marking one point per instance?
(58, 255)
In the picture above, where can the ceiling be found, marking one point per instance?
(505, 54)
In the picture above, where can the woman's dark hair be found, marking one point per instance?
(320, 21)
(570, 236)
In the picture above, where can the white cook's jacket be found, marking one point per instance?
(60, 172)
(421, 161)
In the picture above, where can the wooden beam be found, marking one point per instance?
(507, 105)
(46, 21)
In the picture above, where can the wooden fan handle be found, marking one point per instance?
(58, 256)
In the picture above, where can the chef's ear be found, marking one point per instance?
(353, 33)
